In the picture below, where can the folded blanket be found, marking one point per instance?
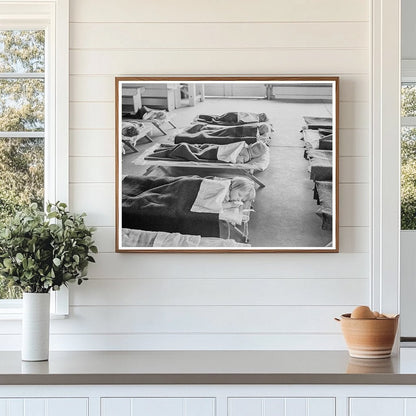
(164, 204)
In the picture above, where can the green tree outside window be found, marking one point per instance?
(22, 109)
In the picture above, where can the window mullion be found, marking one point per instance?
(408, 121)
(22, 75)
(17, 134)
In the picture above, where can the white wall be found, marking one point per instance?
(248, 301)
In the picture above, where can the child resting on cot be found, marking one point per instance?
(238, 152)
(229, 131)
(147, 113)
(226, 197)
(242, 190)
(233, 118)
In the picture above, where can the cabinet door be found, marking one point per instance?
(254, 406)
(160, 406)
(44, 407)
(381, 406)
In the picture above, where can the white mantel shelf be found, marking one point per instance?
(207, 367)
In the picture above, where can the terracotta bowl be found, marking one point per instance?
(369, 338)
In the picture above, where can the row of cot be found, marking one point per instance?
(188, 151)
(318, 137)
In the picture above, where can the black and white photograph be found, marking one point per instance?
(227, 165)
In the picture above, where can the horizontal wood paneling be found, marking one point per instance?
(308, 61)
(97, 199)
(354, 142)
(195, 319)
(249, 266)
(354, 170)
(220, 11)
(218, 36)
(92, 169)
(218, 291)
(191, 341)
(354, 205)
(252, 301)
(200, 319)
(354, 239)
(96, 143)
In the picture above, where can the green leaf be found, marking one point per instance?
(56, 262)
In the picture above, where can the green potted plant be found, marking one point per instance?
(40, 252)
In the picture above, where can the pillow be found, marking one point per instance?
(211, 196)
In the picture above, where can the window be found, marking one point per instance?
(33, 113)
(408, 152)
(22, 125)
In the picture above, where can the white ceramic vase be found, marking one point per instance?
(35, 327)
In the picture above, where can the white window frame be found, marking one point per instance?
(53, 17)
(385, 184)
(408, 75)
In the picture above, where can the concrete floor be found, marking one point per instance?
(285, 211)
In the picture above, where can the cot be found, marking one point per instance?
(132, 131)
(320, 165)
(316, 123)
(167, 204)
(141, 238)
(245, 169)
(232, 118)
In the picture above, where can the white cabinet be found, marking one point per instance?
(44, 407)
(380, 406)
(159, 406)
(281, 406)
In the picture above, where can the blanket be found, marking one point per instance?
(232, 118)
(320, 165)
(164, 204)
(140, 238)
(316, 123)
(323, 191)
(206, 137)
(221, 131)
(199, 153)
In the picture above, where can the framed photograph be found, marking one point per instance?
(227, 164)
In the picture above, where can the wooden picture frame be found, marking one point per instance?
(190, 151)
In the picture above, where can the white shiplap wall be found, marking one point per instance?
(251, 301)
